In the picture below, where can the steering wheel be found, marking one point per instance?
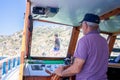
(55, 77)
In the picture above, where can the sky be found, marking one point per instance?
(11, 16)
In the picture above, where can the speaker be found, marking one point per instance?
(38, 10)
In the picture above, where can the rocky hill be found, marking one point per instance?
(42, 42)
(10, 45)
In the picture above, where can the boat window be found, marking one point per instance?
(115, 54)
(104, 35)
(111, 25)
(116, 48)
(50, 40)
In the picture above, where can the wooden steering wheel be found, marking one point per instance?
(53, 76)
(56, 77)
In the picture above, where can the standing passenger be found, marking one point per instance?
(57, 43)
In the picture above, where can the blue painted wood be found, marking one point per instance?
(14, 61)
(9, 64)
(18, 61)
(4, 68)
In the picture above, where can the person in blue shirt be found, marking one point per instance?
(57, 43)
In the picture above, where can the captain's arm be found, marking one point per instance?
(72, 70)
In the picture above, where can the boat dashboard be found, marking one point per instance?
(114, 68)
(42, 69)
(39, 67)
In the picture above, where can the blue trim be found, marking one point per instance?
(9, 64)
(4, 68)
(18, 61)
(14, 60)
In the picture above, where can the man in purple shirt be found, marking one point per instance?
(91, 55)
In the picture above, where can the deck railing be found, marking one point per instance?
(7, 64)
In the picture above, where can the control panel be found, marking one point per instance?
(39, 69)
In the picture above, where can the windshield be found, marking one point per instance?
(50, 41)
(116, 47)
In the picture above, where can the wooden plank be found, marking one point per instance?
(21, 71)
(114, 65)
(109, 33)
(51, 22)
(73, 41)
(116, 33)
(111, 13)
(29, 40)
(111, 41)
(24, 39)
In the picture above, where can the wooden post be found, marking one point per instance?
(24, 50)
(73, 41)
(111, 13)
(111, 41)
(111, 38)
(30, 29)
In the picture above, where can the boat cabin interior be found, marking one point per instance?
(62, 17)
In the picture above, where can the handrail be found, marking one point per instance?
(8, 64)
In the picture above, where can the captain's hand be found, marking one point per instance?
(59, 70)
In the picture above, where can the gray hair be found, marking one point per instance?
(91, 24)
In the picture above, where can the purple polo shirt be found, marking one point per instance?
(92, 48)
